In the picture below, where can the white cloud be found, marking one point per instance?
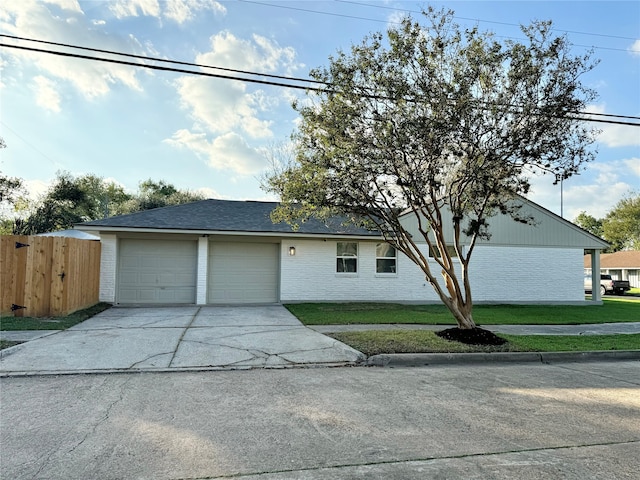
(70, 5)
(634, 49)
(226, 152)
(47, 95)
(595, 191)
(633, 164)
(33, 19)
(615, 135)
(220, 106)
(130, 8)
(179, 11)
(36, 188)
(209, 193)
(619, 136)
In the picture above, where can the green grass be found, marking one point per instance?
(419, 341)
(574, 343)
(7, 343)
(614, 309)
(51, 323)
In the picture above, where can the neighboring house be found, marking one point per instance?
(620, 265)
(227, 252)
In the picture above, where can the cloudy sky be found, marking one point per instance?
(209, 134)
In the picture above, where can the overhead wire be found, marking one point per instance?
(479, 20)
(356, 17)
(157, 59)
(328, 88)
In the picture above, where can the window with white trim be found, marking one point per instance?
(435, 253)
(386, 258)
(347, 257)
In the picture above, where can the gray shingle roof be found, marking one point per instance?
(222, 216)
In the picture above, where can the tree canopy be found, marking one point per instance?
(589, 223)
(441, 123)
(621, 226)
(71, 200)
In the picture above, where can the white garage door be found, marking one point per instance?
(243, 273)
(157, 271)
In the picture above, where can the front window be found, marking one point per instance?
(386, 258)
(435, 253)
(347, 257)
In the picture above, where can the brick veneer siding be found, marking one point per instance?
(497, 274)
(108, 268)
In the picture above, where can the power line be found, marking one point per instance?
(165, 69)
(583, 116)
(486, 21)
(356, 17)
(156, 59)
(28, 143)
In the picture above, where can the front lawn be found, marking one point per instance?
(420, 341)
(615, 309)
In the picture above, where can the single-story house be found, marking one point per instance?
(230, 252)
(620, 265)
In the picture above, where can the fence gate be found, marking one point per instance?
(47, 276)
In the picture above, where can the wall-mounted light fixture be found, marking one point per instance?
(292, 251)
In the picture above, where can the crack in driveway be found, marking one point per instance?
(175, 351)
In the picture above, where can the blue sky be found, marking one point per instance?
(130, 124)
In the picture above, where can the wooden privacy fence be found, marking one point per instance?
(47, 276)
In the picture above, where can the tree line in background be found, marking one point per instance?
(76, 199)
(620, 226)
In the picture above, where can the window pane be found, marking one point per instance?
(347, 249)
(435, 253)
(385, 250)
(348, 265)
(386, 265)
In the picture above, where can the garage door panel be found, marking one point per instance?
(243, 273)
(157, 271)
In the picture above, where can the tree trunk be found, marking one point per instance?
(460, 309)
(461, 312)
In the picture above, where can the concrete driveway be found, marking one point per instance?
(179, 338)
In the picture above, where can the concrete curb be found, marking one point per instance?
(422, 359)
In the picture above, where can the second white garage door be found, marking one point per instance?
(243, 273)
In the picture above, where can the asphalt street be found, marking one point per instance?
(484, 421)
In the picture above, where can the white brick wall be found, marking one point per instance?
(311, 275)
(498, 274)
(521, 274)
(201, 280)
(108, 263)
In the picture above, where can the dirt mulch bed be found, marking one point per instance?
(471, 336)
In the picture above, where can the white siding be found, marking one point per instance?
(108, 262)
(548, 230)
(498, 274)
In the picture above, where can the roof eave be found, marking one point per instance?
(106, 229)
